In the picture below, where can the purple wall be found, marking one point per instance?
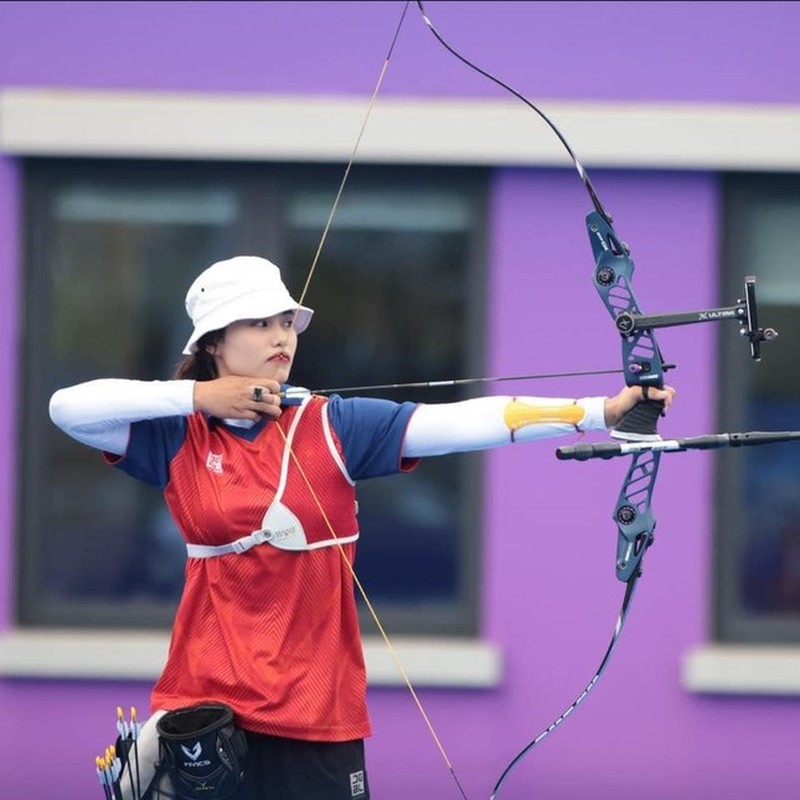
(549, 594)
(626, 50)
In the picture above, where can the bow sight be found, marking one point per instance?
(745, 311)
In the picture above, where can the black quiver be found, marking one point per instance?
(202, 751)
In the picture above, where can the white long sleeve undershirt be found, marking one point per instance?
(478, 424)
(99, 414)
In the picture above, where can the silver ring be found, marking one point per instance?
(257, 395)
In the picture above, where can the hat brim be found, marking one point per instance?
(215, 322)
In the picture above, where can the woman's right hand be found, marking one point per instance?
(237, 397)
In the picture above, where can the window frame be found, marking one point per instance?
(41, 176)
(730, 624)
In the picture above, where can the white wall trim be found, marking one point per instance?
(125, 655)
(751, 670)
(149, 124)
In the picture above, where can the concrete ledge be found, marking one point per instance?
(120, 655)
(752, 670)
(142, 124)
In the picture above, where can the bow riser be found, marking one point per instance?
(642, 362)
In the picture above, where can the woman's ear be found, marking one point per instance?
(209, 343)
(211, 347)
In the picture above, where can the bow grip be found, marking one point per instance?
(641, 422)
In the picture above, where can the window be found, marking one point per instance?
(757, 587)
(111, 248)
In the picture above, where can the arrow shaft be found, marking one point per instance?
(459, 381)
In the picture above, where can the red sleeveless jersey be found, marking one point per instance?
(272, 632)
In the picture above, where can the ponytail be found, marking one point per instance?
(200, 365)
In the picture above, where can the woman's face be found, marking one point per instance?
(257, 348)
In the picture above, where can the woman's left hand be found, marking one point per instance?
(617, 407)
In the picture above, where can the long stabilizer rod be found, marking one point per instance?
(716, 441)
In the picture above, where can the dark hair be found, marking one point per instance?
(200, 365)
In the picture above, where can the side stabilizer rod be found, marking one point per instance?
(715, 441)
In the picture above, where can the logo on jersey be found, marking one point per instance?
(357, 787)
(214, 462)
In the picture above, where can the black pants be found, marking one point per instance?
(289, 769)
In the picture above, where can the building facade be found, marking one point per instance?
(121, 123)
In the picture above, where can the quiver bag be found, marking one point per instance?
(202, 750)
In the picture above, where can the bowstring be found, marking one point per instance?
(376, 619)
(312, 269)
(351, 161)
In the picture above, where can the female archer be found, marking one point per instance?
(263, 695)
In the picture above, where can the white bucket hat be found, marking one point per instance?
(244, 287)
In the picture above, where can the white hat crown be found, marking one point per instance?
(243, 287)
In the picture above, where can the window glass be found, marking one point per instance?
(758, 537)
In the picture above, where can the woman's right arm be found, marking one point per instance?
(99, 413)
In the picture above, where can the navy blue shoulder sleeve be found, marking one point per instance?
(371, 432)
(152, 446)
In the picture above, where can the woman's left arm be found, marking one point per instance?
(488, 422)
